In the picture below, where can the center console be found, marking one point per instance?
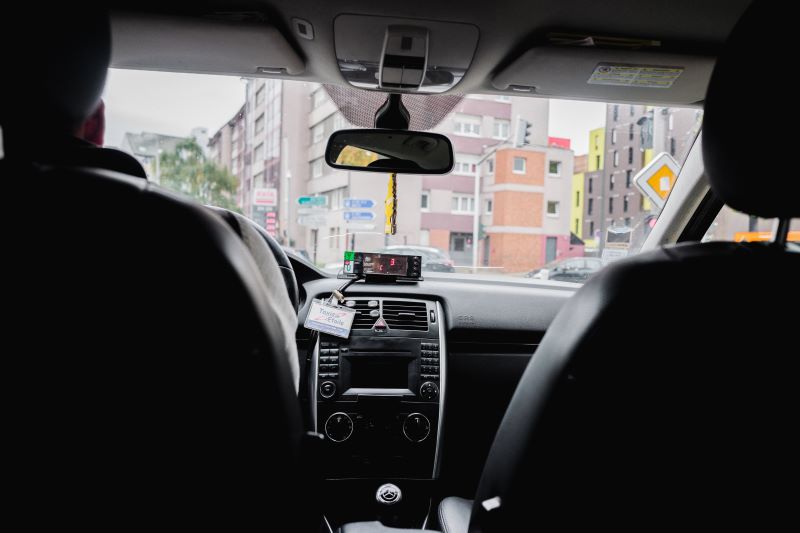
(379, 402)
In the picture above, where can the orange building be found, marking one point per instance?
(530, 196)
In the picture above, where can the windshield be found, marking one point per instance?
(538, 185)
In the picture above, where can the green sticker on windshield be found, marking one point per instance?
(349, 256)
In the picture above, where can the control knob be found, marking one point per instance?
(339, 427)
(416, 427)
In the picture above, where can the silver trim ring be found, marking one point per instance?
(351, 426)
(426, 434)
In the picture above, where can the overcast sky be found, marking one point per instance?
(173, 104)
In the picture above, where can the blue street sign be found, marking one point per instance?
(358, 215)
(358, 203)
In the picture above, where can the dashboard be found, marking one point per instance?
(414, 403)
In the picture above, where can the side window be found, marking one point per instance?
(731, 225)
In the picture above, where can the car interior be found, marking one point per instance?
(165, 366)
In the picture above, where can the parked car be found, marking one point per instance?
(433, 259)
(574, 269)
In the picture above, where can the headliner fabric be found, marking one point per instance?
(359, 106)
(748, 105)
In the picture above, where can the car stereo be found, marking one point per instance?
(369, 264)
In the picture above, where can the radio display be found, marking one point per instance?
(362, 264)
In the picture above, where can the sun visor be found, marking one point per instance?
(640, 76)
(210, 46)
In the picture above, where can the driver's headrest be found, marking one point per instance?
(54, 63)
(749, 112)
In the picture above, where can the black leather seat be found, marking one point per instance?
(144, 367)
(665, 392)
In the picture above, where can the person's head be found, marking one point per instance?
(54, 75)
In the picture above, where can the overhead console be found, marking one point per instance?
(403, 55)
(617, 69)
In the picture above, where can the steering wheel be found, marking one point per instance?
(236, 221)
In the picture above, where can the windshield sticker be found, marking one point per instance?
(649, 77)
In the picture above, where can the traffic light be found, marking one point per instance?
(523, 133)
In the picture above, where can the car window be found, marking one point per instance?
(731, 225)
(557, 180)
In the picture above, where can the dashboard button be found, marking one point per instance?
(429, 391)
(327, 389)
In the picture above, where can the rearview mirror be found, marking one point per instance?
(380, 150)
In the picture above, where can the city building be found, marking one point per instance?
(221, 145)
(578, 195)
(632, 136)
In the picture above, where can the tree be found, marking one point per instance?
(187, 170)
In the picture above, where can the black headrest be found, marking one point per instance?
(55, 63)
(748, 109)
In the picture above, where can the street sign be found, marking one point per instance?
(265, 196)
(657, 178)
(313, 201)
(312, 210)
(358, 203)
(359, 225)
(312, 221)
(358, 215)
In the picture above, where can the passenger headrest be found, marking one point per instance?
(55, 63)
(749, 112)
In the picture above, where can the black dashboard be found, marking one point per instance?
(416, 404)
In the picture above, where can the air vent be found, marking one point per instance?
(363, 319)
(411, 316)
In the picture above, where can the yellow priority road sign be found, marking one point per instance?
(657, 178)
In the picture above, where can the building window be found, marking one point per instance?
(613, 136)
(610, 206)
(464, 167)
(630, 132)
(258, 153)
(611, 181)
(591, 184)
(501, 129)
(591, 228)
(489, 205)
(616, 113)
(424, 237)
(318, 98)
(672, 146)
(259, 126)
(616, 158)
(520, 164)
(630, 155)
(463, 203)
(628, 178)
(627, 222)
(577, 226)
(552, 209)
(625, 204)
(339, 122)
(258, 179)
(597, 141)
(597, 162)
(490, 165)
(590, 206)
(425, 201)
(577, 198)
(554, 168)
(468, 125)
(316, 168)
(260, 95)
(317, 133)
